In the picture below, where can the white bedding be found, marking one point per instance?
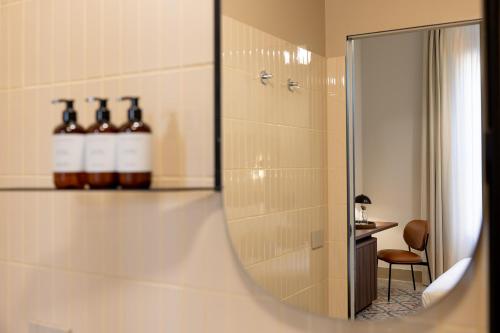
(443, 284)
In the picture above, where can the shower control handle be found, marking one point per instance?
(265, 77)
(292, 85)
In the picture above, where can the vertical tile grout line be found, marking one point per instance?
(101, 47)
(37, 79)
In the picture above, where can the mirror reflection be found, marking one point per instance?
(275, 163)
(407, 142)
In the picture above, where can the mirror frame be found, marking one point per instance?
(491, 15)
(217, 84)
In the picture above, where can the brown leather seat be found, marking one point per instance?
(399, 257)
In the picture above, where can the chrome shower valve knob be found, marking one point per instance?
(265, 77)
(293, 85)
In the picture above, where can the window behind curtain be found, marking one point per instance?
(462, 98)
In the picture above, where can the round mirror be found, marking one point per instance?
(352, 179)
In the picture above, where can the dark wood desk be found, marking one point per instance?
(367, 264)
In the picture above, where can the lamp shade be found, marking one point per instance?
(362, 199)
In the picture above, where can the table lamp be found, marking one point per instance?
(363, 200)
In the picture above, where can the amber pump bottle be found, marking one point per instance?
(100, 149)
(68, 150)
(134, 149)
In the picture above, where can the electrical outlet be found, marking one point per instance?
(317, 239)
(39, 328)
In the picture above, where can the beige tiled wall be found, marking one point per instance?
(73, 49)
(337, 187)
(275, 163)
(99, 263)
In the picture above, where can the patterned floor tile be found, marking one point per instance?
(403, 302)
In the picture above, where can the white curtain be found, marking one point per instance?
(451, 163)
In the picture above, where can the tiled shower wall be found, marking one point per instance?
(161, 263)
(337, 187)
(275, 171)
(95, 262)
(159, 50)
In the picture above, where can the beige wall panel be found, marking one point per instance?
(297, 21)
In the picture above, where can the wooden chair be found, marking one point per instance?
(416, 236)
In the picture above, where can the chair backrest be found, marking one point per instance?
(415, 234)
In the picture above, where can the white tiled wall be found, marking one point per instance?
(275, 163)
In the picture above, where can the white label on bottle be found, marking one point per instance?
(68, 152)
(100, 152)
(134, 152)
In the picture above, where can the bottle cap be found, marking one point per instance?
(134, 112)
(102, 114)
(69, 114)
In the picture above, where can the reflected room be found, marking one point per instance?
(352, 185)
(417, 165)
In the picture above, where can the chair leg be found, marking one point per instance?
(413, 277)
(389, 288)
(428, 263)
